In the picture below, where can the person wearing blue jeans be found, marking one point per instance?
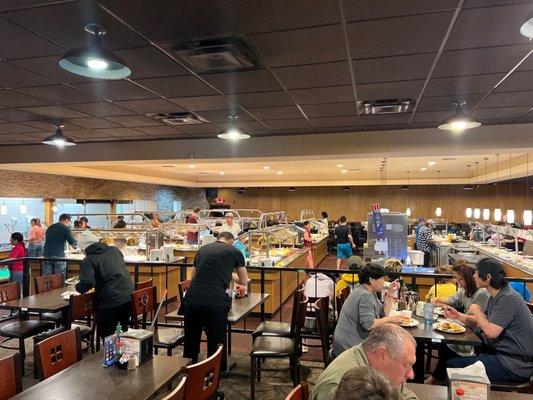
(506, 327)
(56, 237)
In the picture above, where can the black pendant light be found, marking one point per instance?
(58, 139)
(459, 122)
(94, 61)
(406, 187)
(233, 132)
(346, 189)
(468, 186)
(292, 189)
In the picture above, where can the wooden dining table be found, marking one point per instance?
(427, 337)
(435, 392)
(50, 301)
(89, 380)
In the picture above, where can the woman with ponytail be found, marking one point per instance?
(18, 251)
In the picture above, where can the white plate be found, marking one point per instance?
(438, 326)
(411, 324)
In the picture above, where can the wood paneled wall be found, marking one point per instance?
(356, 203)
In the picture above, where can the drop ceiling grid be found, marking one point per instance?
(383, 68)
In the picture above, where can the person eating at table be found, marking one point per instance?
(206, 304)
(467, 295)
(389, 349)
(506, 327)
(363, 311)
(445, 286)
(103, 269)
(364, 383)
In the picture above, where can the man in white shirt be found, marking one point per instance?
(230, 226)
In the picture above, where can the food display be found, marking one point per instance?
(449, 327)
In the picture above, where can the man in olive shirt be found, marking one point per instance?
(206, 304)
(389, 349)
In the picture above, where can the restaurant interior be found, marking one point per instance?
(364, 168)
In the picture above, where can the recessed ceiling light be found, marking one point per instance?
(423, 169)
(191, 166)
(343, 171)
(266, 167)
(432, 163)
(94, 61)
(222, 173)
(340, 165)
(280, 172)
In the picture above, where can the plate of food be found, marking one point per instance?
(73, 281)
(449, 327)
(408, 322)
(438, 310)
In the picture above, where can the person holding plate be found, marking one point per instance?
(506, 327)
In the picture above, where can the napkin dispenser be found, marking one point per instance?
(139, 342)
(470, 382)
(156, 255)
(168, 252)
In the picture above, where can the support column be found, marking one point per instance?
(49, 211)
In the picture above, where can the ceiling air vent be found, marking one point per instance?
(387, 106)
(216, 55)
(178, 118)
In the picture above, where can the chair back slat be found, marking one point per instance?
(183, 287)
(47, 282)
(10, 377)
(300, 317)
(322, 322)
(144, 284)
(203, 377)
(343, 295)
(57, 353)
(143, 301)
(179, 392)
(300, 392)
(9, 291)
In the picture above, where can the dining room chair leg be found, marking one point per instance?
(258, 369)
(22, 352)
(253, 377)
(169, 351)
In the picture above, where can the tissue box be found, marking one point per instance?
(139, 342)
(156, 255)
(471, 381)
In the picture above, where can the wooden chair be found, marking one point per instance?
(144, 301)
(46, 283)
(322, 324)
(22, 329)
(203, 377)
(300, 392)
(82, 315)
(179, 392)
(266, 347)
(10, 378)
(341, 298)
(58, 352)
(144, 284)
(520, 387)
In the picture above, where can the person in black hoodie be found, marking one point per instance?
(103, 269)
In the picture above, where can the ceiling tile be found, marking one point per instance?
(101, 109)
(58, 94)
(116, 90)
(250, 126)
(11, 98)
(151, 106)
(288, 132)
(386, 119)
(389, 90)
(243, 82)
(49, 67)
(296, 123)
(333, 122)
(199, 128)
(397, 68)
(503, 99)
(201, 103)
(222, 116)
(47, 125)
(314, 75)
(462, 85)
(12, 127)
(276, 112)
(19, 43)
(148, 62)
(517, 81)
(73, 16)
(134, 121)
(54, 112)
(383, 127)
(480, 61)
(402, 35)
(88, 134)
(375, 9)
(499, 112)
(262, 99)
(17, 115)
(13, 77)
(160, 130)
(10, 5)
(120, 132)
(177, 86)
(301, 46)
(445, 103)
(333, 94)
(91, 122)
(330, 110)
(434, 117)
(490, 26)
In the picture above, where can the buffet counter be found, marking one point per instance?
(319, 248)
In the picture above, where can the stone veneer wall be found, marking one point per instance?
(34, 185)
